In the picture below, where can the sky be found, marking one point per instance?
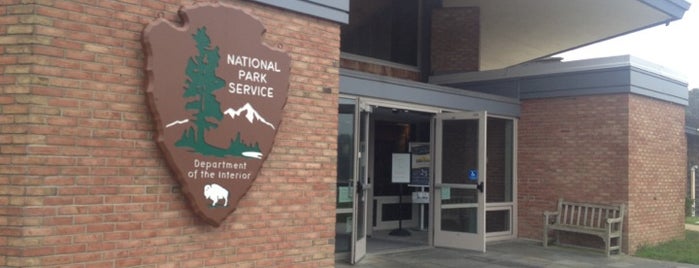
(674, 47)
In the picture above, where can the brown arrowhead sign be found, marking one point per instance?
(216, 93)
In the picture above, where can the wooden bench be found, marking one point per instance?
(605, 221)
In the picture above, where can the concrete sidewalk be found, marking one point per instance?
(517, 253)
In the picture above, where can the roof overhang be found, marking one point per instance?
(552, 79)
(517, 31)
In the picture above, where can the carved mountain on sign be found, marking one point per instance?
(250, 113)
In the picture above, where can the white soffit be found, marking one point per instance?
(517, 31)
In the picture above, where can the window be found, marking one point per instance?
(383, 29)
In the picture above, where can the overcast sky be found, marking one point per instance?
(675, 47)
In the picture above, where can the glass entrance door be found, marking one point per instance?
(346, 175)
(359, 228)
(460, 179)
(352, 180)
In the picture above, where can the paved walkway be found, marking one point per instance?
(517, 253)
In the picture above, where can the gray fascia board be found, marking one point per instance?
(606, 81)
(572, 81)
(336, 4)
(657, 86)
(334, 10)
(386, 88)
(658, 95)
(539, 69)
(575, 93)
(619, 74)
(673, 8)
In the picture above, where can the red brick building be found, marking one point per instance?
(582, 138)
(85, 185)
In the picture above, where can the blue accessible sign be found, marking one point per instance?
(473, 174)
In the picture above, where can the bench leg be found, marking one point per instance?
(607, 244)
(617, 247)
(619, 239)
(546, 236)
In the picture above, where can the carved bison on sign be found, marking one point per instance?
(215, 192)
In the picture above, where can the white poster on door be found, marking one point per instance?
(400, 168)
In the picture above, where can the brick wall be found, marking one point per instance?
(604, 149)
(379, 69)
(657, 171)
(455, 49)
(573, 148)
(83, 184)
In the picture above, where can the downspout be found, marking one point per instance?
(693, 190)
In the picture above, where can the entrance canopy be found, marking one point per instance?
(386, 88)
(516, 31)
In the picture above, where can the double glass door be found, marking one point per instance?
(457, 192)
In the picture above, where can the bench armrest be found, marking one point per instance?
(614, 220)
(614, 225)
(548, 215)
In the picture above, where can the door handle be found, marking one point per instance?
(480, 187)
(361, 186)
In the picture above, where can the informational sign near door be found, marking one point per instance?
(216, 93)
(400, 168)
(421, 163)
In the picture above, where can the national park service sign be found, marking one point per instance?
(216, 93)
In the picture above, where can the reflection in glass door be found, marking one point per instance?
(501, 187)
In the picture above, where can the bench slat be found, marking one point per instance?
(577, 220)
